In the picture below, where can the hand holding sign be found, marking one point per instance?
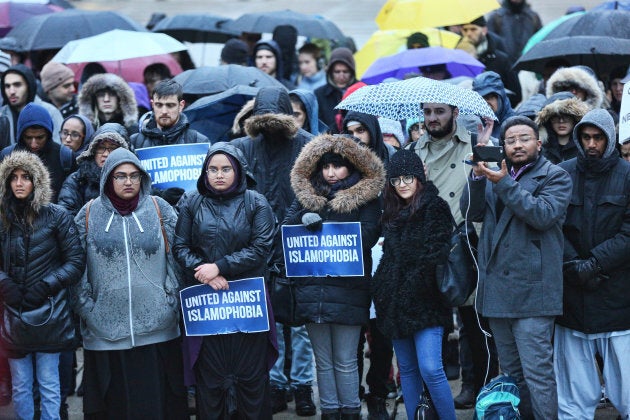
(205, 273)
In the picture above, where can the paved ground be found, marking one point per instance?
(355, 18)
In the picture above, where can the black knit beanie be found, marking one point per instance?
(406, 162)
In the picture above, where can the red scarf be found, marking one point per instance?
(124, 207)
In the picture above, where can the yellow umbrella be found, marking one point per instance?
(408, 14)
(384, 43)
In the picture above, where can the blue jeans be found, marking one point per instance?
(301, 360)
(335, 349)
(47, 370)
(420, 358)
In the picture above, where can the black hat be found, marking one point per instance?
(235, 51)
(480, 21)
(417, 40)
(406, 162)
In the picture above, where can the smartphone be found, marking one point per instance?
(488, 154)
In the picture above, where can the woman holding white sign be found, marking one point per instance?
(337, 180)
(409, 309)
(224, 233)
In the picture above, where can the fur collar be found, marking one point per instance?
(345, 201)
(126, 98)
(271, 125)
(562, 78)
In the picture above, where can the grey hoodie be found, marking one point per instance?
(601, 119)
(128, 295)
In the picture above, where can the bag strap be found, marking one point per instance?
(159, 212)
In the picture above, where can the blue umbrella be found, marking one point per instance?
(213, 115)
(458, 63)
(613, 5)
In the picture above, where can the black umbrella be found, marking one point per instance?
(611, 23)
(211, 80)
(196, 28)
(54, 30)
(306, 25)
(597, 52)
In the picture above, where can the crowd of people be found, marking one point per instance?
(94, 255)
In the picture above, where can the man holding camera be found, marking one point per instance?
(522, 206)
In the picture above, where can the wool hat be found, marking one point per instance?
(54, 74)
(417, 40)
(480, 21)
(406, 162)
(235, 51)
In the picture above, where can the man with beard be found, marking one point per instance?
(522, 206)
(596, 317)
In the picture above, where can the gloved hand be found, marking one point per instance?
(36, 295)
(312, 221)
(10, 292)
(584, 273)
(172, 195)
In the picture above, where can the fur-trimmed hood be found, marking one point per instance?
(573, 107)
(564, 78)
(28, 162)
(272, 115)
(363, 159)
(126, 98)
(111, 132)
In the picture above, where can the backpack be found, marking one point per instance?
(498, 400)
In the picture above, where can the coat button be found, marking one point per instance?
(451, 194)
(453, 165)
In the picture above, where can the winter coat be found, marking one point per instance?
(312, 124)
(128, 296)
(272, 146)
(520, 251)
(570, 106)
(84, 184)
(383, 150)
(563, 78)
(490, 82)
(58, 158)
(338, 300)
(128, 116)
(515, 23)
(598, 225)
(404, 287)
(217, 229)
(49, 250)
(498, 61)
(12, 114)
(329, 95)
(180, 133)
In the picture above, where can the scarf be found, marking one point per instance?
(122, 206)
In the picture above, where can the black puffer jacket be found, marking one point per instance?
(216, 228)
(338, 300)
(404, 287)
(180, 133)
(598, 224)
(48, 250)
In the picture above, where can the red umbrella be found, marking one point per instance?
(14, 12)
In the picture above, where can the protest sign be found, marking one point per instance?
(176, 165)
(335, 250)
(243, 308)
(624, 115)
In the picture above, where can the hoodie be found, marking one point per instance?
(12, 113)
(129, 295)
(312, 124)
(329, 95)
(601, 119)
(370, 122)
(87, 128)
(490, 82)
(271, 45)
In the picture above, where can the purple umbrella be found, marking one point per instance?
(12, 13)
(458, 63)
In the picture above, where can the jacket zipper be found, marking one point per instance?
(133, 341)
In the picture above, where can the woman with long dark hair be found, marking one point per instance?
(409, 309)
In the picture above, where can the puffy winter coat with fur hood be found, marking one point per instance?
(563, 78)
(39, 244)
(338, 300)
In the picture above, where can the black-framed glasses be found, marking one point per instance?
(405, 179)
(102, 149)
(74, 135)
(133, 178)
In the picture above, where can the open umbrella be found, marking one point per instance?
(54, 30)
(132, 69)
(544, 31)
(211, 80)
(121, 45)
(196, 27)
(13, 12)
(613, 5)
(597, 52)
(306, 25)
(610, 23)
(402, 100)
(213, 115)
(409, 14)
(458, 63)
(384, 43)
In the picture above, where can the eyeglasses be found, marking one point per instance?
(73, 134)
(102, 149)
(405, 179)
(560, 118)
(133, 178)
(511, 141)
(226, 170)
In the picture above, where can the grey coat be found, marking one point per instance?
(128, 296)
(520, 252)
